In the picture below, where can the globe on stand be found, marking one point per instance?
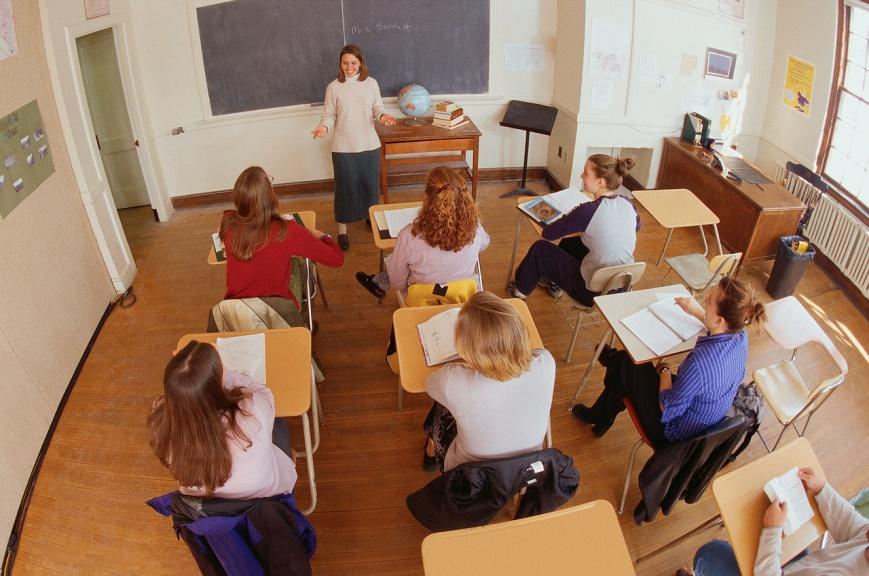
(414, 101)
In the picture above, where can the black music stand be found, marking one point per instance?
(531, 118)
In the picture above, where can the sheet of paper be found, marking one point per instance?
(651, 331)
(608, 49)
(689, 64)
(568, 199)
(677, 319)
(647, 68)
(396, 220)
(601, 95)
(789, 488)
(438, 337)
(524, 57)
(380, 220)
(245, 354)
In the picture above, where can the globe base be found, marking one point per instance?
(414, 122)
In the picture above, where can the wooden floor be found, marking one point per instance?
(88, 514)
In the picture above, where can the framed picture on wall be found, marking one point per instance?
(720, 63)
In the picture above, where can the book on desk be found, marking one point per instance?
(390, 222)
(549, 208)
(438, 337)
(663, 325)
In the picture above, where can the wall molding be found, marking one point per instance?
(325, 186)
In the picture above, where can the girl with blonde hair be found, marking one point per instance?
(442, 244)
(495, 403)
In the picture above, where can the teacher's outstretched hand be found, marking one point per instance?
(387, 120)
(320, 131)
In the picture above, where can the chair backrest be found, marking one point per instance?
(724, 264)
(605, 280)
(242, 314)
(455, 292)
(790, 326)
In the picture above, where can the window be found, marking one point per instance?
(845, 153)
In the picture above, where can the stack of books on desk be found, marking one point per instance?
(449, 115)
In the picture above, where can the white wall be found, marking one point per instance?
(806, 29)
(639, 113)
(211, 152)
(53, 283)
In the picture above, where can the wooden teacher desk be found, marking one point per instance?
(753, 216)
(402, 139)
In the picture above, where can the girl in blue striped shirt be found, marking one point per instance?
(674, 407)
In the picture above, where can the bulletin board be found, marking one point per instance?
(25, 158)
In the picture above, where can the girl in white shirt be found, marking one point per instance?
(352, 105)
(496, 403)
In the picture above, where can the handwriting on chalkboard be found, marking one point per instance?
(379, 27)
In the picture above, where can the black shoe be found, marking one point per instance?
(582, 412)
(605, 354)
(601, 429)
(367, 281)
(343, 242)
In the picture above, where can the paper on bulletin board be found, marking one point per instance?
(523, 57)
(647, 68)
(8, 42)
(26, 158)
(601, 95)
(799, 85)
(608, 48)
(96, 8)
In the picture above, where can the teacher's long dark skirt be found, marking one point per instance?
(357, 184)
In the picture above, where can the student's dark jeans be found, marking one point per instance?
(546, 260)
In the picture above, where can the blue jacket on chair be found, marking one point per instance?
(245, 537)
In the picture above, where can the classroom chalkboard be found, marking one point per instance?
(268, 53)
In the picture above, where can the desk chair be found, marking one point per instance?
(698, 274)
(786, 392)
(604, 280)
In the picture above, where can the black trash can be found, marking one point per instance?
(789, 267)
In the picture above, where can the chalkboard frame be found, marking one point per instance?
(305, 108)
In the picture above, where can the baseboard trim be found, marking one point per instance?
(328, 186)
(18, 525)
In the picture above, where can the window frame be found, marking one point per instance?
(844, 197)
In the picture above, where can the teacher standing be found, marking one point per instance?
(352, 104)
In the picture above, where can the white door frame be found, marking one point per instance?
(81, 142)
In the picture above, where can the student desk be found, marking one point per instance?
(290, 377)
(584, 539)
(402, 139)
(384, 244)
(538, 229)
(753, 216)
(742, 502)
(613, 308)
(678, 208)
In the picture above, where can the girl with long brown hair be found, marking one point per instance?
(260, 244)
(351, 107)
(441, 245)
(215, 430)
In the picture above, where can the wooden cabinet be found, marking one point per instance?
(753, 216)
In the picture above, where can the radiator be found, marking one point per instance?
(800, 188)
(842, 238)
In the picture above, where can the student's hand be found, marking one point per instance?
(690, 305)
(775, 515)
(387, 120)
(318, 234)
(812, 483)
(319, 131)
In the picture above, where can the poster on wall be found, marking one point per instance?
(26, 156)
(734, 8)
(8, 42)
(799, 85)
(96, 8)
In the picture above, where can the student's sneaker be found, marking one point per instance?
(554, 289)
(512, 292)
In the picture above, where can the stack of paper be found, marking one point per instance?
(549, 208)
(396, 220)
(245, 354)
(438, 337)
(789, 488)
(663, 325)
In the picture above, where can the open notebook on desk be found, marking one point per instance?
(391, 222)
(438, 337)
(663, 325)
(245, 354)
(549, 208)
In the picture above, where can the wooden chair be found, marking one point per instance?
(783, 387)
(698, 274)
(604, 280)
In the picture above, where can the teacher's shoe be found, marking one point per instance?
(343, 242)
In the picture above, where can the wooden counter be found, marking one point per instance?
(753, 216)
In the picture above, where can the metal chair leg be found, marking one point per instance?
(573, 339)
(320, 286)
(631, 459)
(309, 458)
(584, 380)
